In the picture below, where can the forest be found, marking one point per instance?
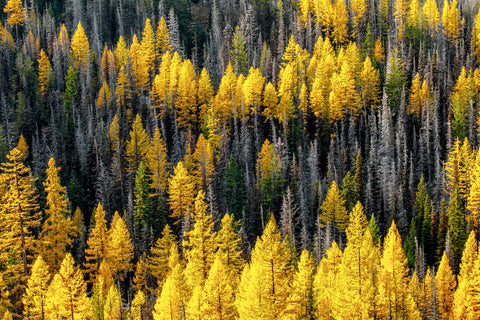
(239, 159)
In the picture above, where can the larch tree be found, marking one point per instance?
(162, 37)
(462, 298)
(160, 253)
(186, 98)
(137, 146)
(223, 101)
(199, 244)
(301, 300)
(326, 277)
(16, 12)
(80, 49)
(476, 38)
(138, 67)
(45, 75)
(369, 85)
(473, 299)
(358, 10)
(431, 15)
(333, 211)
(67, 298)
(19, 219)
(218, 294)
(119, 247)
(181, 191)
(58, 230)
(400, 15)
(473, 197)
(97, 244)
(265, 283)
(357, 293)
(457, 230)
(171, 302)
(35, 297)
(228, 243)
(112, 309)
(393, 278)
(451, 20)
(205, 94)
(445, 284)
(137, 305)
(205, 160)
(148, 48)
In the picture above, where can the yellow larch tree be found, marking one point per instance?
(320, 93)
(222, 104)
(400, 15)
(393, 278)
(105, 97)
(35, 297)
(171, 302)
(147, 48)
(462, 298)
(205, 94)
(445, 284)
(451, 20)
(473, 197)
(138, 145)
(161, 84)
(16, 12)
(44, 72)
(300, 301)
(343, 95)
(67, 298)
(162, 37)
(157, 163)
(97, 243)
(473, 298)
(265, 283)
(19, 217)
(218, 294)
(112, 309)
(457, 168)
(305, 8)
(58, 230)
(205, 160)
(287, 91)
(186, 97)
(378, 51)
(358, 8)
(80, 49)
(137, 305)
(121, 53)
(138, 66)
(333, 211)
(119, 247)
(325, 282)
(160, 253)
(270, 100)
(192, 309)
(340, 21)
(174, 74)
(252, 90)
(369, 85)
(268, 171)
(431, 15)
(199, 244)
(123, 89)
(181, 191)
(475, 41)
(357, 292)
(228, 243)
(414, 15)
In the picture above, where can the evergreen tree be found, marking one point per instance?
(456, 228)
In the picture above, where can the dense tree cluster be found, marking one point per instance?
(186, 130)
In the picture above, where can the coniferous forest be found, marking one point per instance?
(239, 159)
